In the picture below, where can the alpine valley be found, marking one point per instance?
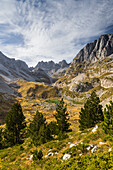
(41, 88)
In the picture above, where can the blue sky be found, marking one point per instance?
(36, 30)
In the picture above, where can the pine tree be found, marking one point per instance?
(15, 123)
(0, 138)
(108, 118)
(39, 132)
(61, 117)
(92, 113)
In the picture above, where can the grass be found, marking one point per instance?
(53, 101)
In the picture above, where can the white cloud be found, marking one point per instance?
(54, 29)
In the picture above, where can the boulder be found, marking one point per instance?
(95, 129)
(66, 156)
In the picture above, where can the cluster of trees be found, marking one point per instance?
(38, 130)
(92, 114)
(41, 132)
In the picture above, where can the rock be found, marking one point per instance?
(89, 147)
(69, 142)
(72, 145)
(56, 153)
(46, 156)
(102, 143)
(80, 154)
(83, 133)
(50, 154)
(31, 156)
(66, 156)
(94, 149)
(95, 129)
(109, 150)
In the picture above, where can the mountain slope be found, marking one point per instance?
(11, 69)
(92, 68)
(56, 70)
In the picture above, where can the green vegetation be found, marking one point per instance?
(53, 101)
(92, 113)
(15, 123)
(38, 130)
(47, 137)
(37, 155)
(61, 117)
(89, 162)
(108, 118)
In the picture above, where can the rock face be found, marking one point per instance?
(92, 52)
(91, 69)
(54, 69)
(11, 69)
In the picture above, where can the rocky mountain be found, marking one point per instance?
(92, 52)
(92, 68)
(11, 69)
(56, 70)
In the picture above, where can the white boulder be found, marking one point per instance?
(46, 156)
(72, 145)
(31, 156)
(66, 156)
(89, 147)
(109, 150)
(94, 149)
(102, 143)
(95, 129)
(50, 154)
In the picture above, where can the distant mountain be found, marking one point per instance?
(56, 70)
(11, 69)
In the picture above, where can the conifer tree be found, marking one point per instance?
(15, 123)
(108, 118)
(92, 113)
(61, 117)
(0, 138)
(39, 132)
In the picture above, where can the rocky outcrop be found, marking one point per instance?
(93, 52)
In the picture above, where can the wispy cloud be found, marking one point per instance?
(51, 29)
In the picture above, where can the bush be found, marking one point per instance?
(37, 155)
(62, 135)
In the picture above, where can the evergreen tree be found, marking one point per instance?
(52, 126)
(108, 118)
(15, 123)
(61, 117)
(0, 138)
(92, 113)
(37, 155)
(39, 132)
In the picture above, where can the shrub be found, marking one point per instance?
(37, 155)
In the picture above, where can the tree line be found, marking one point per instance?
(41, 132)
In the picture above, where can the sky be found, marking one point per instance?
(36, 30)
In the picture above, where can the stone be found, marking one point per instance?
(102, 143)
(66, 156)
(95, 129)
(31, 156)
(50, 154)
(109, 150)
(94, 149)
(72, 145)
(46, 156)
